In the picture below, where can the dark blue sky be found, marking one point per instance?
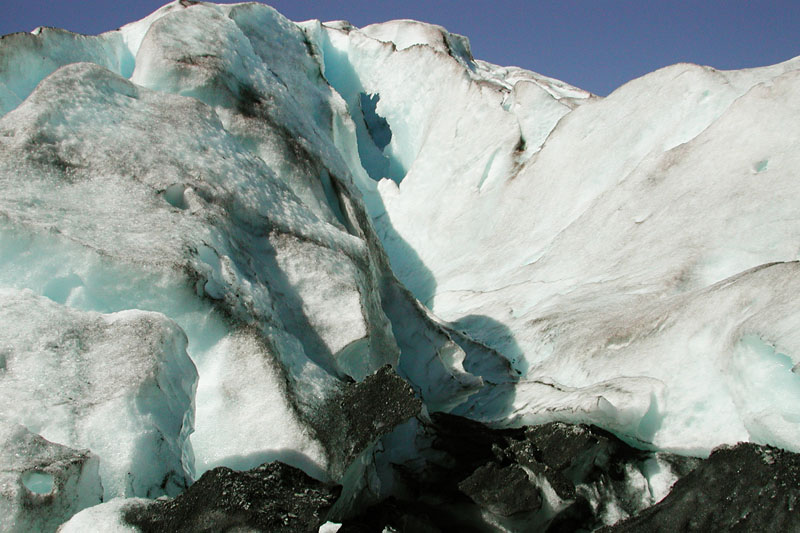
(596, 45)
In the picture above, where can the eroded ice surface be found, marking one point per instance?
(43, 483)
(107, 517)
(119, 384)
(204, 186)
(583, 237)
(217, 224)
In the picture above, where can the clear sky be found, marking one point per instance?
(596, 45)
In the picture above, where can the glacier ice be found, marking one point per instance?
(649, 174)
(118, 384)
(274, 276)
(227, 238)
(107, 516)
(43, 483)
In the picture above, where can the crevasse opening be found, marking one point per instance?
(374, 133)
(373, 138)
(377, 126)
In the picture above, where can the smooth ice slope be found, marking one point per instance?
(568, 231)
(457, 128)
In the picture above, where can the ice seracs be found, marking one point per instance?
(225, 208)
(227, 239)
(120, 385)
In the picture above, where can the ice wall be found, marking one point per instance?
(221, 226)
(589, 240)
(183, 190)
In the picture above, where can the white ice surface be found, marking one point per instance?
(42, 483)
(244, 418)
(541, 222)
(660, 477)
(106, 517)
(70, 273)
(207, 166)
(234, 222)
(119, 384)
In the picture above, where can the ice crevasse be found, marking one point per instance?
(217, 225)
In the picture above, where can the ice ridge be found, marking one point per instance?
(227, 239)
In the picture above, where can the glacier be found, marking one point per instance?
(394, 273)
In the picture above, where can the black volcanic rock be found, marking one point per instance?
(502, 490)
(363, 412)
(273, 497)
(396, 515)
(742, 488)
(553, 477)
